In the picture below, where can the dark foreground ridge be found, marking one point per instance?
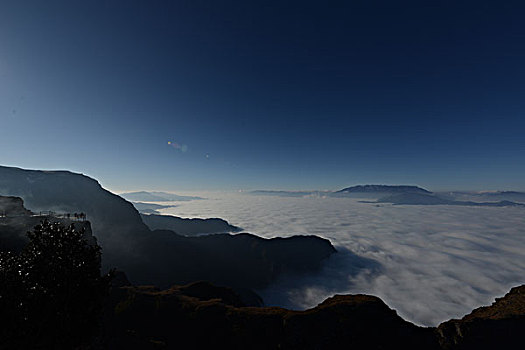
(201, 315)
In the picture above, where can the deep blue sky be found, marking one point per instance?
(266, 94)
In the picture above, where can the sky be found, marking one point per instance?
(228, 95)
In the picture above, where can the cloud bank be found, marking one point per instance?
(430, 263)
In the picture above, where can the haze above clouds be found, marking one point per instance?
(430, 263)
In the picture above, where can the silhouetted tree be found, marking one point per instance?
(52, 293)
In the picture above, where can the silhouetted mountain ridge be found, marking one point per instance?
(161, 257)
(188, 227)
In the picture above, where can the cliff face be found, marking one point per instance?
(112, 217)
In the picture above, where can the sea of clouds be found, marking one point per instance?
(430, 263)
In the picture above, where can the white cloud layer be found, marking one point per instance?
(430, 263)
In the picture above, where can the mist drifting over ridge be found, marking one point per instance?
(430, 263)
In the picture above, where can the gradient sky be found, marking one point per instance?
(266, 94)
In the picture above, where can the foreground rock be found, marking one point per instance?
(201, 315)
(205, 316)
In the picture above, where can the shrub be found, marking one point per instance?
(52, 293)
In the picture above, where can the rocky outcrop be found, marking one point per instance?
(499, 326)
(16, 221)
(201, 315)
(13, 206)
(188, 227)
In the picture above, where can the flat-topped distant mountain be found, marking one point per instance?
(384, 189)
(144, 196)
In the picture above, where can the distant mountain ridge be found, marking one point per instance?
(145, 196)
(436, 199)
(367, 190)
(413, 195)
